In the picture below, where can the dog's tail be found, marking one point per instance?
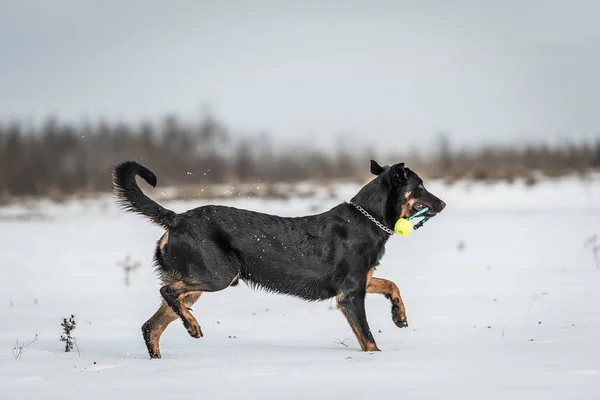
(130, 196)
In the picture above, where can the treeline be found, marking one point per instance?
(61, 158)
(508, 163)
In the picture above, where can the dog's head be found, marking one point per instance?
(407, 192)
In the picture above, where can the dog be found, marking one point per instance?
(313, 257)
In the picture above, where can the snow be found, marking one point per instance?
(515, 314)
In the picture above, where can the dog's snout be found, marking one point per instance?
(439, 205)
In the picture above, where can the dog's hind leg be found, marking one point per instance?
(390, 290)
(193, 265)
(156, 325)
(352, 306)
(174, 295)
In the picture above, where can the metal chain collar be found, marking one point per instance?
(379, 224)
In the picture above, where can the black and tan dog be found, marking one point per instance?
(314, 257)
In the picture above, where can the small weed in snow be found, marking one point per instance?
(68, 326)
(17, 351)
(128, 266)
(342, 342)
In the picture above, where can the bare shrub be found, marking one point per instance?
(17, 350)
(128, 266)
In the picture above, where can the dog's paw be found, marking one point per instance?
(371, 347)
(193, 329)
(400, 322)
(398, 317)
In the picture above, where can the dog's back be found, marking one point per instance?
(305, 256)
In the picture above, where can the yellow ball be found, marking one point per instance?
(403, 227)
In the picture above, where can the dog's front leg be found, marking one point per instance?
(390, 291)
(352, 306)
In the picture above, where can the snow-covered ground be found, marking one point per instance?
(512, 313)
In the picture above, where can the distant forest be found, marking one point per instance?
(62, 158)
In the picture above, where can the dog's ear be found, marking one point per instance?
(398, 175)
(376, 169)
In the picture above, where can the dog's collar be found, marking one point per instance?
(379, 224)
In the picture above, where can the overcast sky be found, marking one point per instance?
(395, 72)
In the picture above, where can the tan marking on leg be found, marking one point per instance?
(189, 321)
(371, 346)
(156, 325)
(391, 291)
(370, 275)
(363, 341)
